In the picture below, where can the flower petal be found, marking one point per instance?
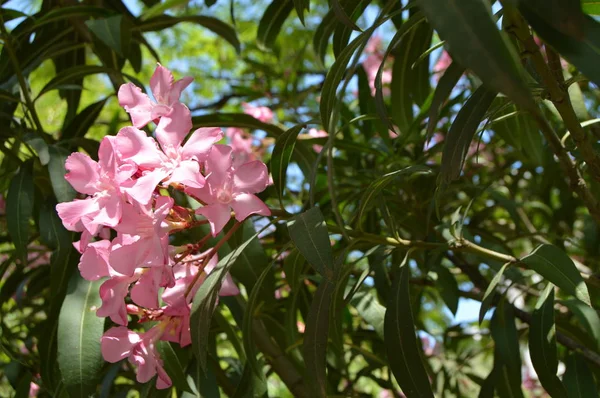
(71, 212)
(245, 204)
(136, 146)
(173, 127)
(218, 164)
(188, 174)
(217, 214)
(82, 173)
(251, 177)
(136, 103)
(117, 342)
(141, 189)
(160, 83)
(93, 264)
(200, 142)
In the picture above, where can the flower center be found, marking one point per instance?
(224, 196)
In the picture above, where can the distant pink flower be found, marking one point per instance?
(373, 62)
(140, 348)
(314, 133)
(34, 389)
(175, 162)
(443, 62)
(242, 147)
(228, 189)
(261, 113)
(101, 180)
(173, 114)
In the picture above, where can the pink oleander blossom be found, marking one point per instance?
(227, 188)
(102, 181)
(119, 343)
(171, 162)
(314, 133)
(241, 146)
(372, 63)
(261, 113)
(170, 113)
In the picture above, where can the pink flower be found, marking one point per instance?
(242, 147)
(442, 63)
(175, 162)
(34, 389)
(261, 113)
(93, 263)
(174, 116)
(112, 293)
(143, 238)
(119, 343)
(314, 133)
(228, 189)
(372, 63)
(102, 181)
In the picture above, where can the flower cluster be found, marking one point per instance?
(126, 216)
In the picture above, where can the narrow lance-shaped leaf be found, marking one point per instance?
(542, 344)
(84, 120)
(474, 41)
(63, 191)
(587, 316)
(271, 22)
(557, 267)
(79, 333)
(490, 292)
(401, 341)
(462, 131)
(108, 30)
(280, 159)
(315, 338)
(442, 92)
(578, 378)
(309, 233)
(506, 339)
(19, 209)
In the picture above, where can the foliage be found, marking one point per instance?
(425, 155)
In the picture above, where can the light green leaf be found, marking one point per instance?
(490, 292)
(370, 310)
(553, 264)
(108, 30)
(79, 333)
(591, 7)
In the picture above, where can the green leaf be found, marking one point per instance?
(213, 24)
(504, 333)
(315, 338)
(341, 15)
(301, 6)
(52, 233)
(19, 209)
(342, 33)
(587, 316)
(205, 300)
(24, 386)
(442, 92)
(271, 22)
(490, 292)
(475, 42)
(161, 7)
(564, 16)
(281, 156)
(84, 120)
(40, 146)
(591, 7)
(461, 133)
(542, 344)
(240, 120)
(584, 53)
(79, 333)
(375, 188)
(578, 379)
(447, 287)
(108, 30)
(370, 310)
(322, 35)
(402, 345)
(174, 364)
(73, 74)
(553, 264)
(309, 233)
(63, 191)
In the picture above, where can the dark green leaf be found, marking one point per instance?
(79, 333)
(564, 16)
(40, 146)
(340, 13)
(301, 6)
(280, 159)
(553, 264)
(442, 92)
(235, 120)
(475, 42)
(108, 30)
(174, 364)
(24, 386)
(370, 310)
(448, 287)
(490, 292)
(584, 53)
(587, 316)
(542, 344)
(81, 123)
(322, 35)
(461, 133)
(19, 209)
(56, 168)
(315, 338)
(578, 379)
(271, 22)
(294, 266)
(402, 345)
(213, 24)
(504, 332)
(309, 233)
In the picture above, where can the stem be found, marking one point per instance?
(22, 82)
